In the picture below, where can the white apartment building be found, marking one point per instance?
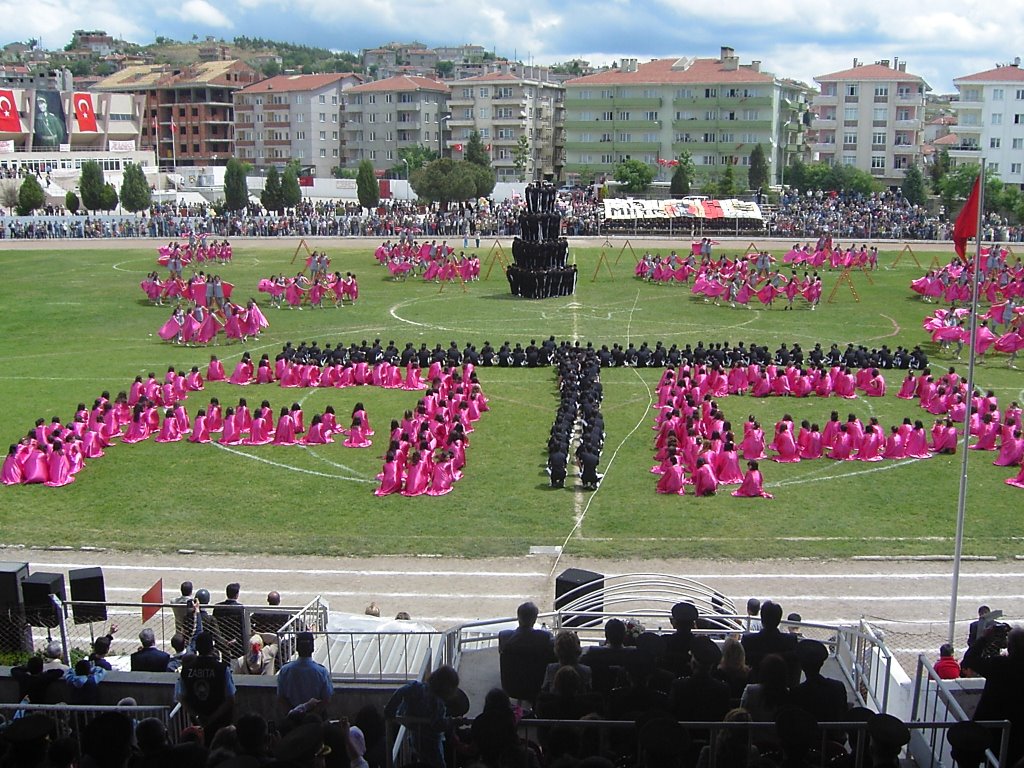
(504, 107)
(293, 117)
(871, 117)
(990, 121)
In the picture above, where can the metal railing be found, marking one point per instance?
(72, 719)
(934, 701)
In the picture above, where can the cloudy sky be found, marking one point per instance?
(940, 39)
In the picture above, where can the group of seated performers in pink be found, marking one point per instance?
(238, 426)
(199, 325)
(294, 292)
(699, 381)
(435, 262)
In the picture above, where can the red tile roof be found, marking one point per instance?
(673, 71)
(401, 83)
(950, 138)
(490, 77)
(1007, 74)
(870, 72)
(294, 83)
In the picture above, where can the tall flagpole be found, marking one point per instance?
(972, 341)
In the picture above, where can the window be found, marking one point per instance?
(334, 100)
(881, 90)
(684, 93)
(997, 118)
(1018, 143)
(650, 93)
(852, 89)
(651, 116)
(828, 89)
(607, 159)
(711, 114)
(849, 160)
(373, 154)
(1018, 119)
(879, 113)
(372, 117)
(323, 135)
(467, 113)
(710, 93)
(904, 114)
(485, 133)
(323, 117)
(850, 113)
(649, 138)
(994, 167)
(486, 92)
(334, 118)
(878, 138)
(604, 116)
(484, 113)
(751, 114)
(503, 93)
(686, 115)
(727, 138)
(300, 135)
(708, 138)
(323, 153)
(878, 161)
(624, 115)
(994, 143)
(467, 93)
(708, 160)
(849, 138)
(1015, 167)
(334, 153)
(605, 137)
(334, 135)
(389, 155)
(625, 137)
(322, 99)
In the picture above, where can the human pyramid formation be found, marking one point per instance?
(426, 454)
(696, 445)
(434, 262)
(734, 280)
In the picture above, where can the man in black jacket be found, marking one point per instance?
(149, 658)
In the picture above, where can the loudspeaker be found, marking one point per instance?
(588, 582)
(87, 585)
(11, 575)
(36, 590)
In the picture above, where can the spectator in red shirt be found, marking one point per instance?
(947, 667)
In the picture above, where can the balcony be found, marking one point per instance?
(824, 122)
(651, 102)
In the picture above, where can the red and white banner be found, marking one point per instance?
(619, 209)
(10, 122)
(85, 112)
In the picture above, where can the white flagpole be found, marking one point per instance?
(962, 499)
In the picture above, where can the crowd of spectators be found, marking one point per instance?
(855, 216)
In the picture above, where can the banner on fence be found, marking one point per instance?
(623, 209)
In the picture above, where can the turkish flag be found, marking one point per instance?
(10, 121)
(154, 597)
(966, 225)
(457, 147)
(85, 113)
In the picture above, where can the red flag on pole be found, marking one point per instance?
(85, 113)
(152, 600)
(174, 126)
(10, 122)
(966, 225)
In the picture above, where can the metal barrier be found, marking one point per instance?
(72, 719)
(934, 701)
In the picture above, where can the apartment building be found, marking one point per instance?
(718, 110)
(990, 121)
(504, 107)
(871, 117)
(386, 115)
(293, 117)
(189, 112)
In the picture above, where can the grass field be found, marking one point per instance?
(74, 323)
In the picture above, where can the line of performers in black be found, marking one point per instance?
(579, 416)
(548, 351)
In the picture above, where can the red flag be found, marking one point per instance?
(457, 147)
(10, 122)
(966, 225)
(152, 600)
(174, 126)
(153, 125)
(85, 113)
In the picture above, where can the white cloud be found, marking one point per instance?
(203, 13)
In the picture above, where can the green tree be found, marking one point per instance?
(272, 197)
(343, 173)
(475, 152)
(483, 178)
(444, 68)
(726, 186)
(634, 175)
(956, 185)
(271, 69)
(367, 187)
(90, 186)
(758, 174)
(135, 194)
(913, 186)
(682, 176)
(30, 195)
(108, 197)
(940, 167)
(412, 159)
(291, 192)
(445, 181)
(236, 189)
(521, 156)
(586, 175)
(71, 202)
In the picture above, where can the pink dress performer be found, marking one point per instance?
(704, 481)
(390, 478)
(200, 432)
(215, 370)
(242, 375)
(58, 468)
(357, 437)
(672, 480)
(284, 434)
(895, 446)
(842, 446)
(786, 446)
(870, 448)
(12, 473)
(1011, 451)
(169, 431)
(442, 477)
(138, 430)
(35, 466)
(232, 434)
(753, 484)
(752, 446)
(907, 387)
(172, 329)
(1018, 480)
(417, 477)
(317, 434)
(727, 467)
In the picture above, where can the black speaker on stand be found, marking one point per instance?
(584, 583)
(35, 591)
(15, 634)
(87, 585)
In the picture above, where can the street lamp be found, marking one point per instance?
(404, 160)
(442, 118)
